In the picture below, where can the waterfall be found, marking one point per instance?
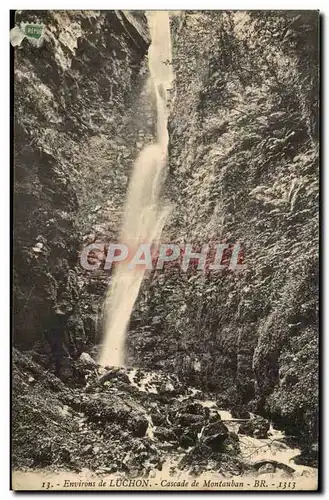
(144, 217)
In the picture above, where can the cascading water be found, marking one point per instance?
(144, 218)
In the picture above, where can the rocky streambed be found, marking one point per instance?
(130, 423)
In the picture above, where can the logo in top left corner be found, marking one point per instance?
(33, 32)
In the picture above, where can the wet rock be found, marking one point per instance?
(87, 360)
(255, 427)
(232, 444)
(214, 416)
(187, 428)
(187, 419)
(43, 455)
(266, 469)
(167, 389)
(164, 434)
(195, 409)
(87, 449)
(214, 436)
(163, 399)
(197, 455)
(65, 455)
(139, 426)
(224, 403)
(308, 456)
(272, 466)
(240, 412)
(139, 375)
(188, 438)
(115, 373)
(123, 387)
(158, 419)
(188, 412)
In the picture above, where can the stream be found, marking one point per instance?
(273, 455)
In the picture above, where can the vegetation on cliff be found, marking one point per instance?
(244, 163)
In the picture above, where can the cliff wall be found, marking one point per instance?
(244, 168)
(72, 97)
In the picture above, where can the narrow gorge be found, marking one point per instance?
(187, 127)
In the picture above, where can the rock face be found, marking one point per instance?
(111, 425)
(244, 167)
(72, 95)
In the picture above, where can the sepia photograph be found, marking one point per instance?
(165, 250)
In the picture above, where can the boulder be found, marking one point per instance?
(214, 416)
(240, 412)
(214, 435)
(87, 360)
(232, 444)
(195, 409)
(199, 454)
(224, 403)
(187, 435)
(139, 426)
(158, 419)
(187, 419)
(115, 373)
(255, 427)
(164, 434)
(308, 456)
(188, 438)
(271, 467)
